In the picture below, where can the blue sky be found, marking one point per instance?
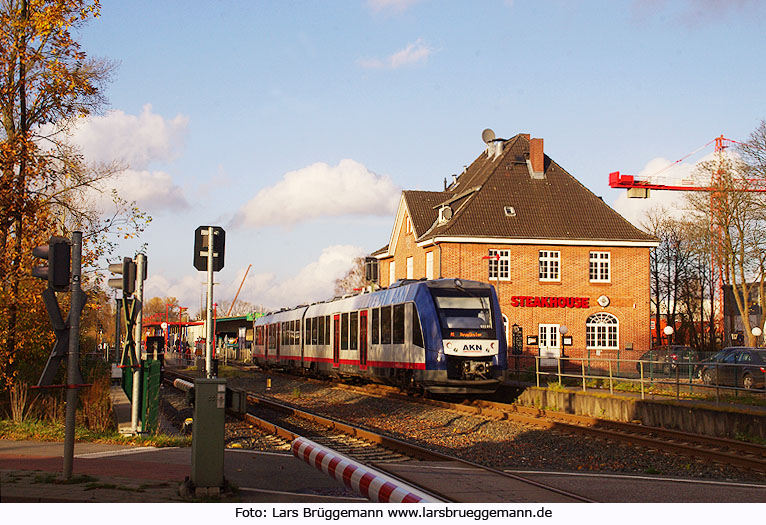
(295, 125)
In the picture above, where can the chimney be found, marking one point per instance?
(536, 157)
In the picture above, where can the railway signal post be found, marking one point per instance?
(210, 393)
(60, 253)
(209, 244)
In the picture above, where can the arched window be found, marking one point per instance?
(602, 331)
(507, 333)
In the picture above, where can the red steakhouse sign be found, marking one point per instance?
(550, 302)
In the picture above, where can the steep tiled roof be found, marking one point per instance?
(556, 206)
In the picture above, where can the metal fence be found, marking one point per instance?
(610, 371)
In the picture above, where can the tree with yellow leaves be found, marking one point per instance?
(46, 84)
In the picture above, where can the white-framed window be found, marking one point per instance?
(429, 265)
(602, 331)
(409, 224)
(500, 269)
(599, 269)
(391, 273)
(549, 265)
(410, 268)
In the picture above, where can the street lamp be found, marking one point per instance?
(668, 331)
(756, 331)
(563, 330)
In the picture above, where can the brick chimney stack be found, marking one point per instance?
(536, 156)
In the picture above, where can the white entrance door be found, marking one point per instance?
(550, 348)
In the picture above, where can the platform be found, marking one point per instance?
(119, 473)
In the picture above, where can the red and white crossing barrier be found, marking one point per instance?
(369, 483)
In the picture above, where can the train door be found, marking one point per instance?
(336, 341)
(363, 339)
(550, 349)
(277, 334)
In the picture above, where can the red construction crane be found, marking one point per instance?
(639, 188)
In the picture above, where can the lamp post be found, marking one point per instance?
(563, 330)
(668, 331)
(180, 330)
(756, 331)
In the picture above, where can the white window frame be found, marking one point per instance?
(600, 267)
(602, 332)
(410, 268)
(549, 265)
(429, 265)
(391, 273)
(504, 265)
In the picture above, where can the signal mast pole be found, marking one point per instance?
(73, 359)
(209, 324)
(138, 299)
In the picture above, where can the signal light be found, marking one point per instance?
(56, 272)
(202, 246)
(126, 283)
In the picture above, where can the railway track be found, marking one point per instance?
(720, 450)
(384, 452)
(442, 476)
(741, 454)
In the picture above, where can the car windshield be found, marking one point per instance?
(759, 356)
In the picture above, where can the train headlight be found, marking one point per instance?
(458, 283)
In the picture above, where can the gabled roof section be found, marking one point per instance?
(423, 207)
(555, 206)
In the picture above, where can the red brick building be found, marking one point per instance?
(556, 253)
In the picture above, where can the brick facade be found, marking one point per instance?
(514, 197)
(628, 290)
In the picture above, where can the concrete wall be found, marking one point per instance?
(699, 418)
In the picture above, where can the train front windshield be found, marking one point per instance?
(464, 313)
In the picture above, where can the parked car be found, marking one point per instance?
(668, 358)
(739, 366)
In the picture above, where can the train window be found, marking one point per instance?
(294, 332)
(283, 334)
(314, 330)
(272, 332)
(461, 310)
(398, 326)
(344, 331)
(375, 326)
(320, 329)
(354, 325)
(327, 329)
(417, 333)
(385, 325)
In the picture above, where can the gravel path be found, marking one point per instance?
(499, 444)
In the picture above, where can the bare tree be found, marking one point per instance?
(353, 280)
(738, 228)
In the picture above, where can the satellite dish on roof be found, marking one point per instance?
(487, 136)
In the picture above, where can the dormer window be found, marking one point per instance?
(445, 214)
(510, 211)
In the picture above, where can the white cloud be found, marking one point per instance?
(136, 140)
(396, 6)
(153, 191)
(415, 53)
(321, 190)
(315, 282)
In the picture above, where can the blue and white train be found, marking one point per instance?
(444, 336)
